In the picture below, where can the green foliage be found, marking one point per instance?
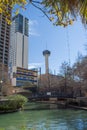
(13, 102)
(64, 12)
(18, 100)
(61, 12)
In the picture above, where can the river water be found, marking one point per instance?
(34, 118)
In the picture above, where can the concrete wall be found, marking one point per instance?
(19, 49)
(25, 64)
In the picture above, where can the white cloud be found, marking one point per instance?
(32, 22)
(34, 65)
(32, 28)
(33, 33)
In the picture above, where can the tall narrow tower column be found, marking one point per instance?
(46, 53)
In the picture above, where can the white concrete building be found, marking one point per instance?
(18, 55)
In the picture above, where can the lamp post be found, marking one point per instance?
(1, 87)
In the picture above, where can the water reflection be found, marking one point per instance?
(44, 119)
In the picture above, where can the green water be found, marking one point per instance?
(44, 119)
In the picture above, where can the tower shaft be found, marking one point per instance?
(46, 64)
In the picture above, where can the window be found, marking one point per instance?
(26, 27)
(19, 23)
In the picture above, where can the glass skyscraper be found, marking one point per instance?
(19, 42)
(18, 56)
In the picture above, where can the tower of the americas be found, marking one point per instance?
(46, 53)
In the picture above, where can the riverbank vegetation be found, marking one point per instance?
(12, 103)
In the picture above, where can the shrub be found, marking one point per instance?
(13, 102)
(17, 101)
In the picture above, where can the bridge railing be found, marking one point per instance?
(57, 95)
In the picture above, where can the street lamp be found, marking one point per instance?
(1, 87)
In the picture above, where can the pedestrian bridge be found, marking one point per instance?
(45, 96)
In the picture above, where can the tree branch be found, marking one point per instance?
(41, 10)
(36, 2)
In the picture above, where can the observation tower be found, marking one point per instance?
(46, 53)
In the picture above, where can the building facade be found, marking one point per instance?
(21, 76)
(18, 55)
(4, 39)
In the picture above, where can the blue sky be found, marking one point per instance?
(43, 35)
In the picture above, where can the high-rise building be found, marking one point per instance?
(19, 42)
(4, 39)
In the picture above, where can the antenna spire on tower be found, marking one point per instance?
(68, 45)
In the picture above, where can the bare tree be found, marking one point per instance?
(5, 86)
